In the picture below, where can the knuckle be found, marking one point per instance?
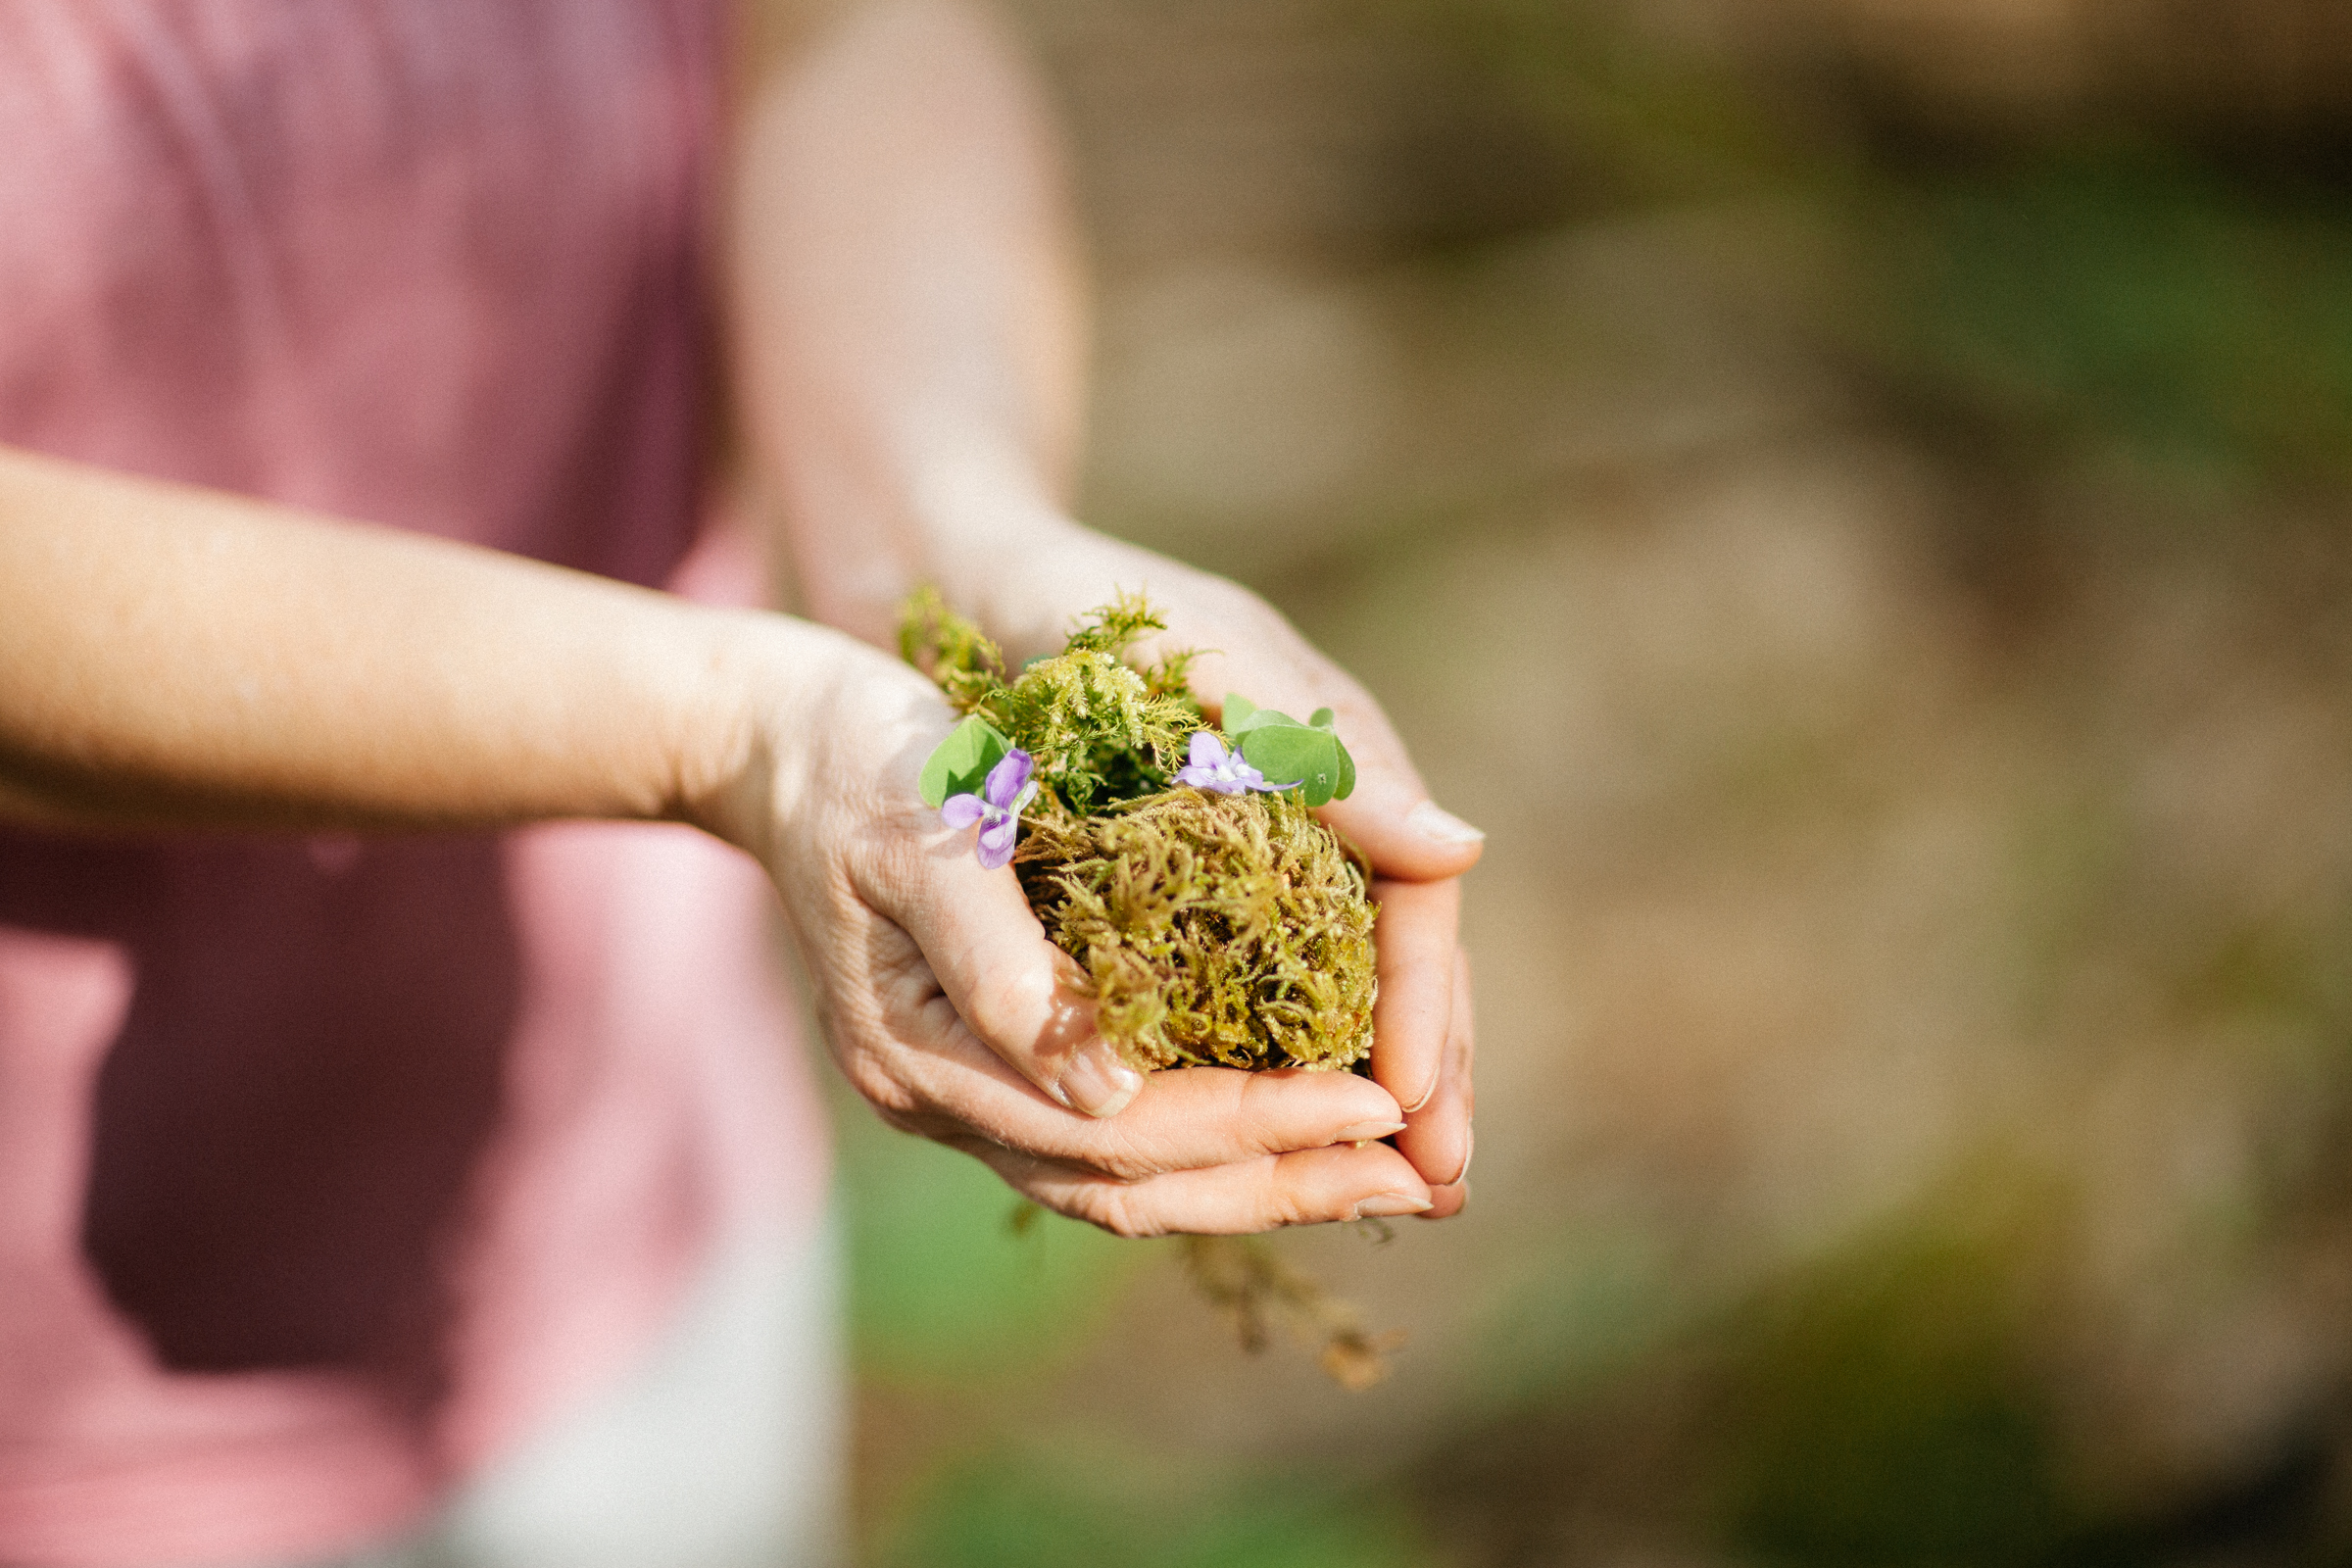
(879, 861)
(1285, 1213)
(1003, 998)
(1123, 1158)
(1290, 1199)
(1118, 1211)
(873, 883)
(1130, 1169)
(1257, 1111)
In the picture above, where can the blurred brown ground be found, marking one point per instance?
(1915, 1111)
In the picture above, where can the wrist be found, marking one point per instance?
(734, 743)
(792, 711)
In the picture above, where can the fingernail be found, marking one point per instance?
(1363, 1132)
(1469, 1147)
(1389, 1206)
(1426, 1094)
(1432, 821)
(1098, 1083)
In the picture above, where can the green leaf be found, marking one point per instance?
(960, 763)
(1286, 751)
(1258, 718)
(1311, 760)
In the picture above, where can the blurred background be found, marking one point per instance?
(1850, 494)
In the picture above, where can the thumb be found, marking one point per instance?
(1009, 985)
(1405, 833)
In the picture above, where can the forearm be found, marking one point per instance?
(907, 310)
(176, 657)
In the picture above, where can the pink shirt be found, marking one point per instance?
(328, 1166)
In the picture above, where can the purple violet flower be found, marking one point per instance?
(1211, 767)
(997, 807)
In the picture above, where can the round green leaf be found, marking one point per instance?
(1241, 718)
(1293, 754)
(959, 765)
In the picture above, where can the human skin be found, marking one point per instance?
(904, 329)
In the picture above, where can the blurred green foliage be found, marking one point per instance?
(1570, 1317)
(2128, 297)
(1637, 119)
(1881, 1410)
(2190, 304)
(943, 1288)
(1060, 1510)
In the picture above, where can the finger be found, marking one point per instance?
(1437, 1137)
(1196, 1118)
(1009, 986)
(1184, 1119)
(1413, 941)
(1308, 1188)
(1446, 1202)
(1402, 831)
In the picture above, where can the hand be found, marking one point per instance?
(947, 1009)
(908, 338)
(1422, 1024)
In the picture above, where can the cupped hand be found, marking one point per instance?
(947, 1007)
(1422, 1023)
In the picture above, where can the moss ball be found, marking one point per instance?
(1231, 931)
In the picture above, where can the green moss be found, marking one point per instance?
(1101, 730)
(1228, 931)
(949, 649)
(1213, 930)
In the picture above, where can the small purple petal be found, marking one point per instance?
(1220, 772)
(962, 810)
(1006, 778)
(996, 842)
